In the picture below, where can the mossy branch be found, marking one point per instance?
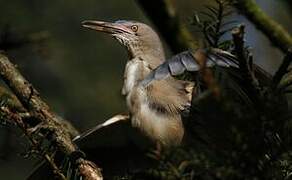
(277, 34)
(283, 70)
(47, 121)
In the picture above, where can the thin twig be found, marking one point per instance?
(245, 61)
(207, 74)
(219, 22)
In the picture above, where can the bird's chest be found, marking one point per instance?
(164, 128)
(135, 71)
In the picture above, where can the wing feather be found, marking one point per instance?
(185, 61)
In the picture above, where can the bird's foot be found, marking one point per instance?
(156, 153)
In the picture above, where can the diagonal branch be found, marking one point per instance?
(18, 120)
(277, 34)
(245, 61)
(47, 120)
(283, 69)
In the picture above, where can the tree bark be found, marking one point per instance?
(48, 121)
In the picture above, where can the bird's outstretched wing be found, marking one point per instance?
(186, 61)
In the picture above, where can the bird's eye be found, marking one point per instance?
(134, 28)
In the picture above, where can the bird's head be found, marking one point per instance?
(138, 38)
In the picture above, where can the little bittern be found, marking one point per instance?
(154, 99)
(156, 107)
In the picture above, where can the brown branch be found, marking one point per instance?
(207, 73)
(277, 34)
(17, 119)
(245, 61)
(244, 57)
(164, 16)
(39, 110)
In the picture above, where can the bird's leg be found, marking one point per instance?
(156, 153)
(158, 150)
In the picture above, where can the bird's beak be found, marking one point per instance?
(107, 27)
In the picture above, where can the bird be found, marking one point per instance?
(156, 100)
(154, 109)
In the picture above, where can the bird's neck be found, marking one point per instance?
(142, 59)
(152, 55)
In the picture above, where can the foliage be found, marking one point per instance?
(212, 23)
(256, 146)
(233, 139)
(237, 136)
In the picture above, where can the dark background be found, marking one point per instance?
(79, 72)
